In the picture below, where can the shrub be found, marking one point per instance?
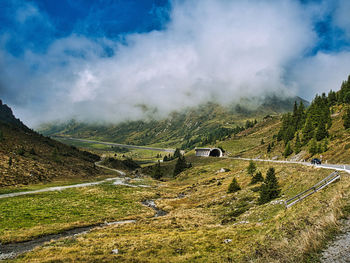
(32, 151)
(21, 151)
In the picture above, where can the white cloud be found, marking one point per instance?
(210, 50)
(322, 72)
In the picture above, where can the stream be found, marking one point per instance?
(12, 250)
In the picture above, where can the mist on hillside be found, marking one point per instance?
(219, 51)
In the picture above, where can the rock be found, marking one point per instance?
(224, 170)
(115, 251)
(226, 241)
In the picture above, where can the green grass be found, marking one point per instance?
(25, 217)
(193, 231)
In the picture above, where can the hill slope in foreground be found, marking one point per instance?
(27, 157)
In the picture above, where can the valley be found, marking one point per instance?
(133, 207)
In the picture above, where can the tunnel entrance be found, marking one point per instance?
(215, 153)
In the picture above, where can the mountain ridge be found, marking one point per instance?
(184, 129)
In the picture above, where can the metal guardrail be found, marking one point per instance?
(317, 187)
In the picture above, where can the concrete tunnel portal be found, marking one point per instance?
(206, 152)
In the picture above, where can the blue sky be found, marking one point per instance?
(108, 59)
(50, 20)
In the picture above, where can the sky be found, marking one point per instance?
(117, 60)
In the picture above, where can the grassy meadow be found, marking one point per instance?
(204, 223)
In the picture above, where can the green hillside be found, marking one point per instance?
(27, 157)
(197, 126)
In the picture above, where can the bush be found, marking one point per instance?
(21, 151)
(234, 186)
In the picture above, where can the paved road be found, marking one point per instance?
(117, 144)
(338, 167)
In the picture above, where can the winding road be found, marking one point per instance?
(116, 181)
(337, 167)
(116, 144)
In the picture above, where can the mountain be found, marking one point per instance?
(185, 129)
(28, 157)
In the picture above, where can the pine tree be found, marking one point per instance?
(321, 131)
(297, 146)
(325, 145)
(270, 188)
(10, 161)
(180, 165)
(157, 174)
(257, 178)
(251, 168)
(332, 98)
(319, 148)
(1, 136)
(308, 131)
(234, 186)
(262, 142)
(177, 153)
(346, 119)
(288, 150)
(269, 148)
(313, 147)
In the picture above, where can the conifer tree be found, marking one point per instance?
(180, 165)
(157, 174)
(321, 131)
(313, 147)
(10, 161)
(1, 136)
(332, 98)
(270, 188)
(251, 168)
(257, 178)
(308, 131)
(234, 186)
(177, 153)
(325, 145)
(297, 146)
(346, 119)
(269, 148)
(288, 150)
